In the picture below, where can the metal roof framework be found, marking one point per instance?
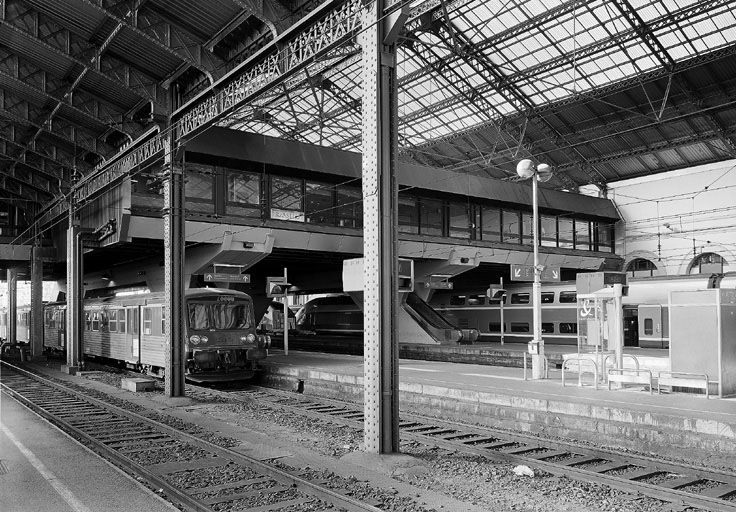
(602, 90)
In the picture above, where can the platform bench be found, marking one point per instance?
(630, 376)
(683, 380)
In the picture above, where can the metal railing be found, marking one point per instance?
(580, 361)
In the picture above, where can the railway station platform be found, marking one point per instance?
(64, 475)
(632, 418)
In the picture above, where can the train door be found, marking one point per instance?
(132, 331)
(631, 327)
(651, 326)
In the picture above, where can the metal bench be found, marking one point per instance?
(630, 376)
(684, 380)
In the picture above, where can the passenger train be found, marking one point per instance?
(220, 338)
(645, 311)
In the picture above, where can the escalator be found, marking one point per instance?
(435, 327)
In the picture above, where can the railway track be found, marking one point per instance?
(682, 484)
(193, 473)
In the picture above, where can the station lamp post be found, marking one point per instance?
(542, 172)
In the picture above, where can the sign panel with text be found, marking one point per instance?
(526, 273)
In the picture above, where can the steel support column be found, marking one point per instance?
(12, 306)
(380, 204)
(36, 334)
(74, 292)
(174, 271)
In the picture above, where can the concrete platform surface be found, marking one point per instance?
(44, 470)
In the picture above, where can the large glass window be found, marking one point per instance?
(582, 235)
(459, 220)
(605, 237)
(243, 194)
(641, 267)
(287, 199)
(511, 228)
(408, 215)
(319, 202)
(198, 188)
(430, 220)
(491, 222)
(527, 235)
(219, 315)
(349, 207)
(548, 231)
(565, 232)
(708, 263)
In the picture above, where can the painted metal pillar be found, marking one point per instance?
(12, 306)
(74, 292)
(538, 359)
(36, 335)
(173, 214)
(380, 204)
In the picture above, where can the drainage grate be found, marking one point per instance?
(3, 468)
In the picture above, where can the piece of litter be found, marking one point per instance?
(523, 471)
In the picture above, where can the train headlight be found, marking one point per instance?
(204, 339)
(195, 339)
(251, 338)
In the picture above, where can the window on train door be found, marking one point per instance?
(548, 328)
(648, 326)
(163, 320)
(87, 320)
(121, 320)
(548, 297)
(519, 298)
(113, 320)
(133, 321)
(519, 327)
(568, 297)
(95, 321)
(147, 320)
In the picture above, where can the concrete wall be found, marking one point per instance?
(671, 217)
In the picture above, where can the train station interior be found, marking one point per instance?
(503, 227)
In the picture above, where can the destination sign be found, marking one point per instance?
(221, 277)
(526, 273)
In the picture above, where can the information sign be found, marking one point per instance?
(221, 277)
(526, 273)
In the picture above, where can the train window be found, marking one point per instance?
(50, 319)
(491, 222)
(511, 227)
(112, 320)
(163, 319)
(87, 320)
(121, 320)
(548, 230)
(494, 327)
(565, 232)
(568, 297)
(548, 328)
(459, 220)
(519, 327)
(568, 327)
(219, 315)
(95, 321)
(476, 300)
(408, 215)
(519, 298)
(243, 194)
(430, 217)
(648, 326)
(103, 320)
(319, 203)
(548, 297)
(147, 320)
(349, 207)
(457, 300)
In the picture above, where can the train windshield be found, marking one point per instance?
(220, 315)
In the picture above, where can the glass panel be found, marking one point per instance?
(648, 326)
(113, 319)
(243, 194)
(408, 215)
(457, 300)
(476, 300)
(565, 232)
(494, 327)
(519, 327)
(431, 217)
(548, 297)
(548, 231)
(519, 298)
(527, 236)
(121, 320)
(163, 320)
(568, 328)
(491, 223)
(582, 235)
(511, 225)
(95, 321)
(147, 320)
(219, 315)
(548, 328)
(349, 207)
(568, 297)
(459, 220)
(604, 237)
(198, 188)
(320, 203)
(286, 199)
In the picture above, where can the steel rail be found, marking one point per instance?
(281, 476)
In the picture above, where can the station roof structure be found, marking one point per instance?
(601, 90)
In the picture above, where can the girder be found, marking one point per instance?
(21, 190)
(31, 177)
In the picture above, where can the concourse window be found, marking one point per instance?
(320, 203)
(641, 267)
(565, 233)
(408, 215)
(198, 189)
(459, 220)
(582, 235)
(511, 228)
(604, 237)
(430, 217)
(287, 199)
(548, 231)
(527, 235)
(708, 263)
(349, 207)
(243, 194)
(491, 224)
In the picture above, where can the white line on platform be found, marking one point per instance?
(418, 369)
(490, 376)
(51, 478)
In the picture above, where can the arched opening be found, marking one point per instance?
(708, 263)
(641, 267)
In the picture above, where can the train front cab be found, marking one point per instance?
(221, 341)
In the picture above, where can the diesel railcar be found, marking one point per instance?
(220, 339)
